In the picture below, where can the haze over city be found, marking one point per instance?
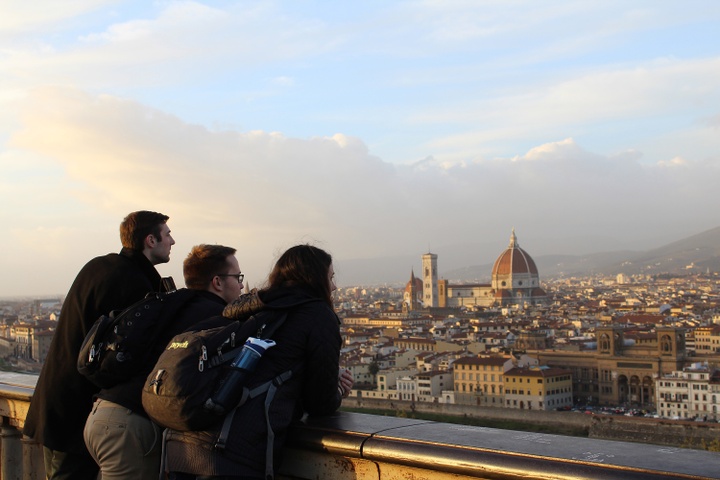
(372, 129)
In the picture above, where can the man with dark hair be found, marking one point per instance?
(118, 433)
(139, 227)
(63, 397)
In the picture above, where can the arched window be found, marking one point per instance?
(604, 343)
(666, 344)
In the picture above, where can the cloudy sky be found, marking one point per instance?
(372, 129)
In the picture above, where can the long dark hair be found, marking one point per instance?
(303, 266)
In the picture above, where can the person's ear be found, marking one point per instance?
(216, 283)
(150, 241)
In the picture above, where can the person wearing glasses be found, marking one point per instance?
(119, 435)
(63, 397)
(307, 343)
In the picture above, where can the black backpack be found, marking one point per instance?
(192, 367)
(119, 344)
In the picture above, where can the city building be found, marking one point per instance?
(413, 295)
(538, 388)
(707, 340)
(430, 280)
(619, 369)
(514, 281)
(693, 392)
(479, 380)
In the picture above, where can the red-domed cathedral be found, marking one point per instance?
(515, 277)
(514, 281)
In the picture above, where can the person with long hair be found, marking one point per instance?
(299, 289)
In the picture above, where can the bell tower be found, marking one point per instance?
(610, 340)
(429, 276)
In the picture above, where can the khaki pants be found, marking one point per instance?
(125, 445)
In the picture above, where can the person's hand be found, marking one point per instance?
(345, 382)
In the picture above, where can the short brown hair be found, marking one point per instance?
(203, 263)
(138, 225)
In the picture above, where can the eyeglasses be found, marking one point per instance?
(239, 276)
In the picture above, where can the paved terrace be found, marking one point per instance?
(349, 446)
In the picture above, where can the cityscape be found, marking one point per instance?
(637, 345)
(514, 194)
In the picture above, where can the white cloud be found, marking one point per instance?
(673, 162)
(713, 122)
(181, 42)
(605, 99)
(262, 191)
(284, 81)
(20, 16)
(555, 118)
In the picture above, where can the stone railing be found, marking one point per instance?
(364, 447)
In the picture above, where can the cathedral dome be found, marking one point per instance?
(415, 284)
(513, 261)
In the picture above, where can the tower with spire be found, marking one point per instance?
(412, 297)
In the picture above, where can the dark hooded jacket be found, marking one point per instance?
(308, 343)
(63, 397)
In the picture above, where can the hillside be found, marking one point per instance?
(697, 253)
(458, 263)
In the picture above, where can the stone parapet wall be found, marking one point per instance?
(673, 433)
(495, 413)
(355, 446)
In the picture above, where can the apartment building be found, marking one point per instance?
(479, 380)
(691, 393)
(424, 386)
(538, 388)
(707, 340)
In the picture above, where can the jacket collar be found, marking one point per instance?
(147, 268)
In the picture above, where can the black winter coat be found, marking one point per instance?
(308, 342)
(63, 397)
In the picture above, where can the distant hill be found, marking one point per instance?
(702, 251)
(697, 253)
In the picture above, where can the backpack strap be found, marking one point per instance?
(163, 453)
(271, 388)
(266, 330)
(175, 300)
(276, 383)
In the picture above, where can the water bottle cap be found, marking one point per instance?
(259, 345)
